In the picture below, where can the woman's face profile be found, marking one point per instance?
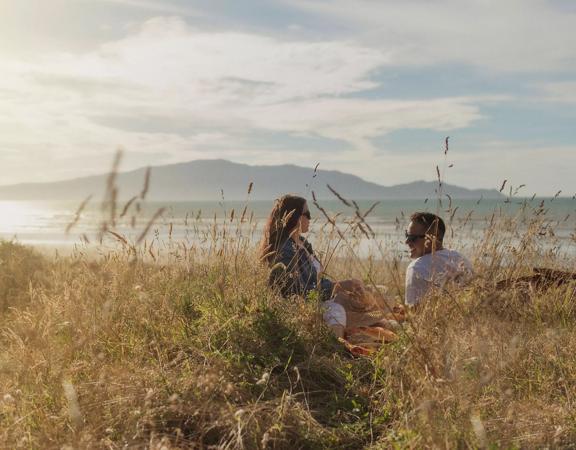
(304, 221)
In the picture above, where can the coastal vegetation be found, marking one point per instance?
(167, 344)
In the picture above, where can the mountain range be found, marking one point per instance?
(214, 179)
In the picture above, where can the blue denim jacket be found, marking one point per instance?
(294, 274)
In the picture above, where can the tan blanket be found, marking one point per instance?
(364, 341)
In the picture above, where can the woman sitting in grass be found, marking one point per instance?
(295, 270)
(349, 306)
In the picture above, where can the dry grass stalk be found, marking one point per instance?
(146, 184)
(338, 196)
(156, 215)
(119, 237)
(78, 214)
(127, 206)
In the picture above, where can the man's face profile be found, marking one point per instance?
(416, 240)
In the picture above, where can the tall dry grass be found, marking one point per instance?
(181, 344)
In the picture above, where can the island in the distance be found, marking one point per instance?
(210, 179)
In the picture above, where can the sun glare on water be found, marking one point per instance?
(16, 217)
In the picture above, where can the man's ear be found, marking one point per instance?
(428, 241)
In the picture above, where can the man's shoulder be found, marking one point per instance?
(451, 253)
(425, 262)
(455, 261)
(454, 255)
(420, 264)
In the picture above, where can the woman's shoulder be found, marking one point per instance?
(288, 244)
(307, 245)
(287, 249)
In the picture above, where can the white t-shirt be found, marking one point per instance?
(434, 270)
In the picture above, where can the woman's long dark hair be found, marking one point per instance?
(283, 219)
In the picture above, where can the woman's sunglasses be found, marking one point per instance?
(307, 215)
(413, 237)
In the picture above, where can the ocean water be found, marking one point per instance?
(44, 224)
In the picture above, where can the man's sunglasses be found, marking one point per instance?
(307, 215)
(413, 237)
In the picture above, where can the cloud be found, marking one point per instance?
(190, 93)
(558, 92)
(358, 121)
(220, 66)
(543, 169)
(164, 7)
(513, 35)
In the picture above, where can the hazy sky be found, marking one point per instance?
(369, 87)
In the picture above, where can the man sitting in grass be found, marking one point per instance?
(433, 265)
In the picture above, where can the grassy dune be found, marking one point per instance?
(176, 346)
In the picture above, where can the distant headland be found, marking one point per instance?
(212, 179)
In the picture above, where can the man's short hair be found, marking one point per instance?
(431, 222)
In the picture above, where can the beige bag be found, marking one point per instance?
(362, 309)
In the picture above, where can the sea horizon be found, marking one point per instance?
(44, 224)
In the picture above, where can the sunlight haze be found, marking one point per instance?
(368, 88)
